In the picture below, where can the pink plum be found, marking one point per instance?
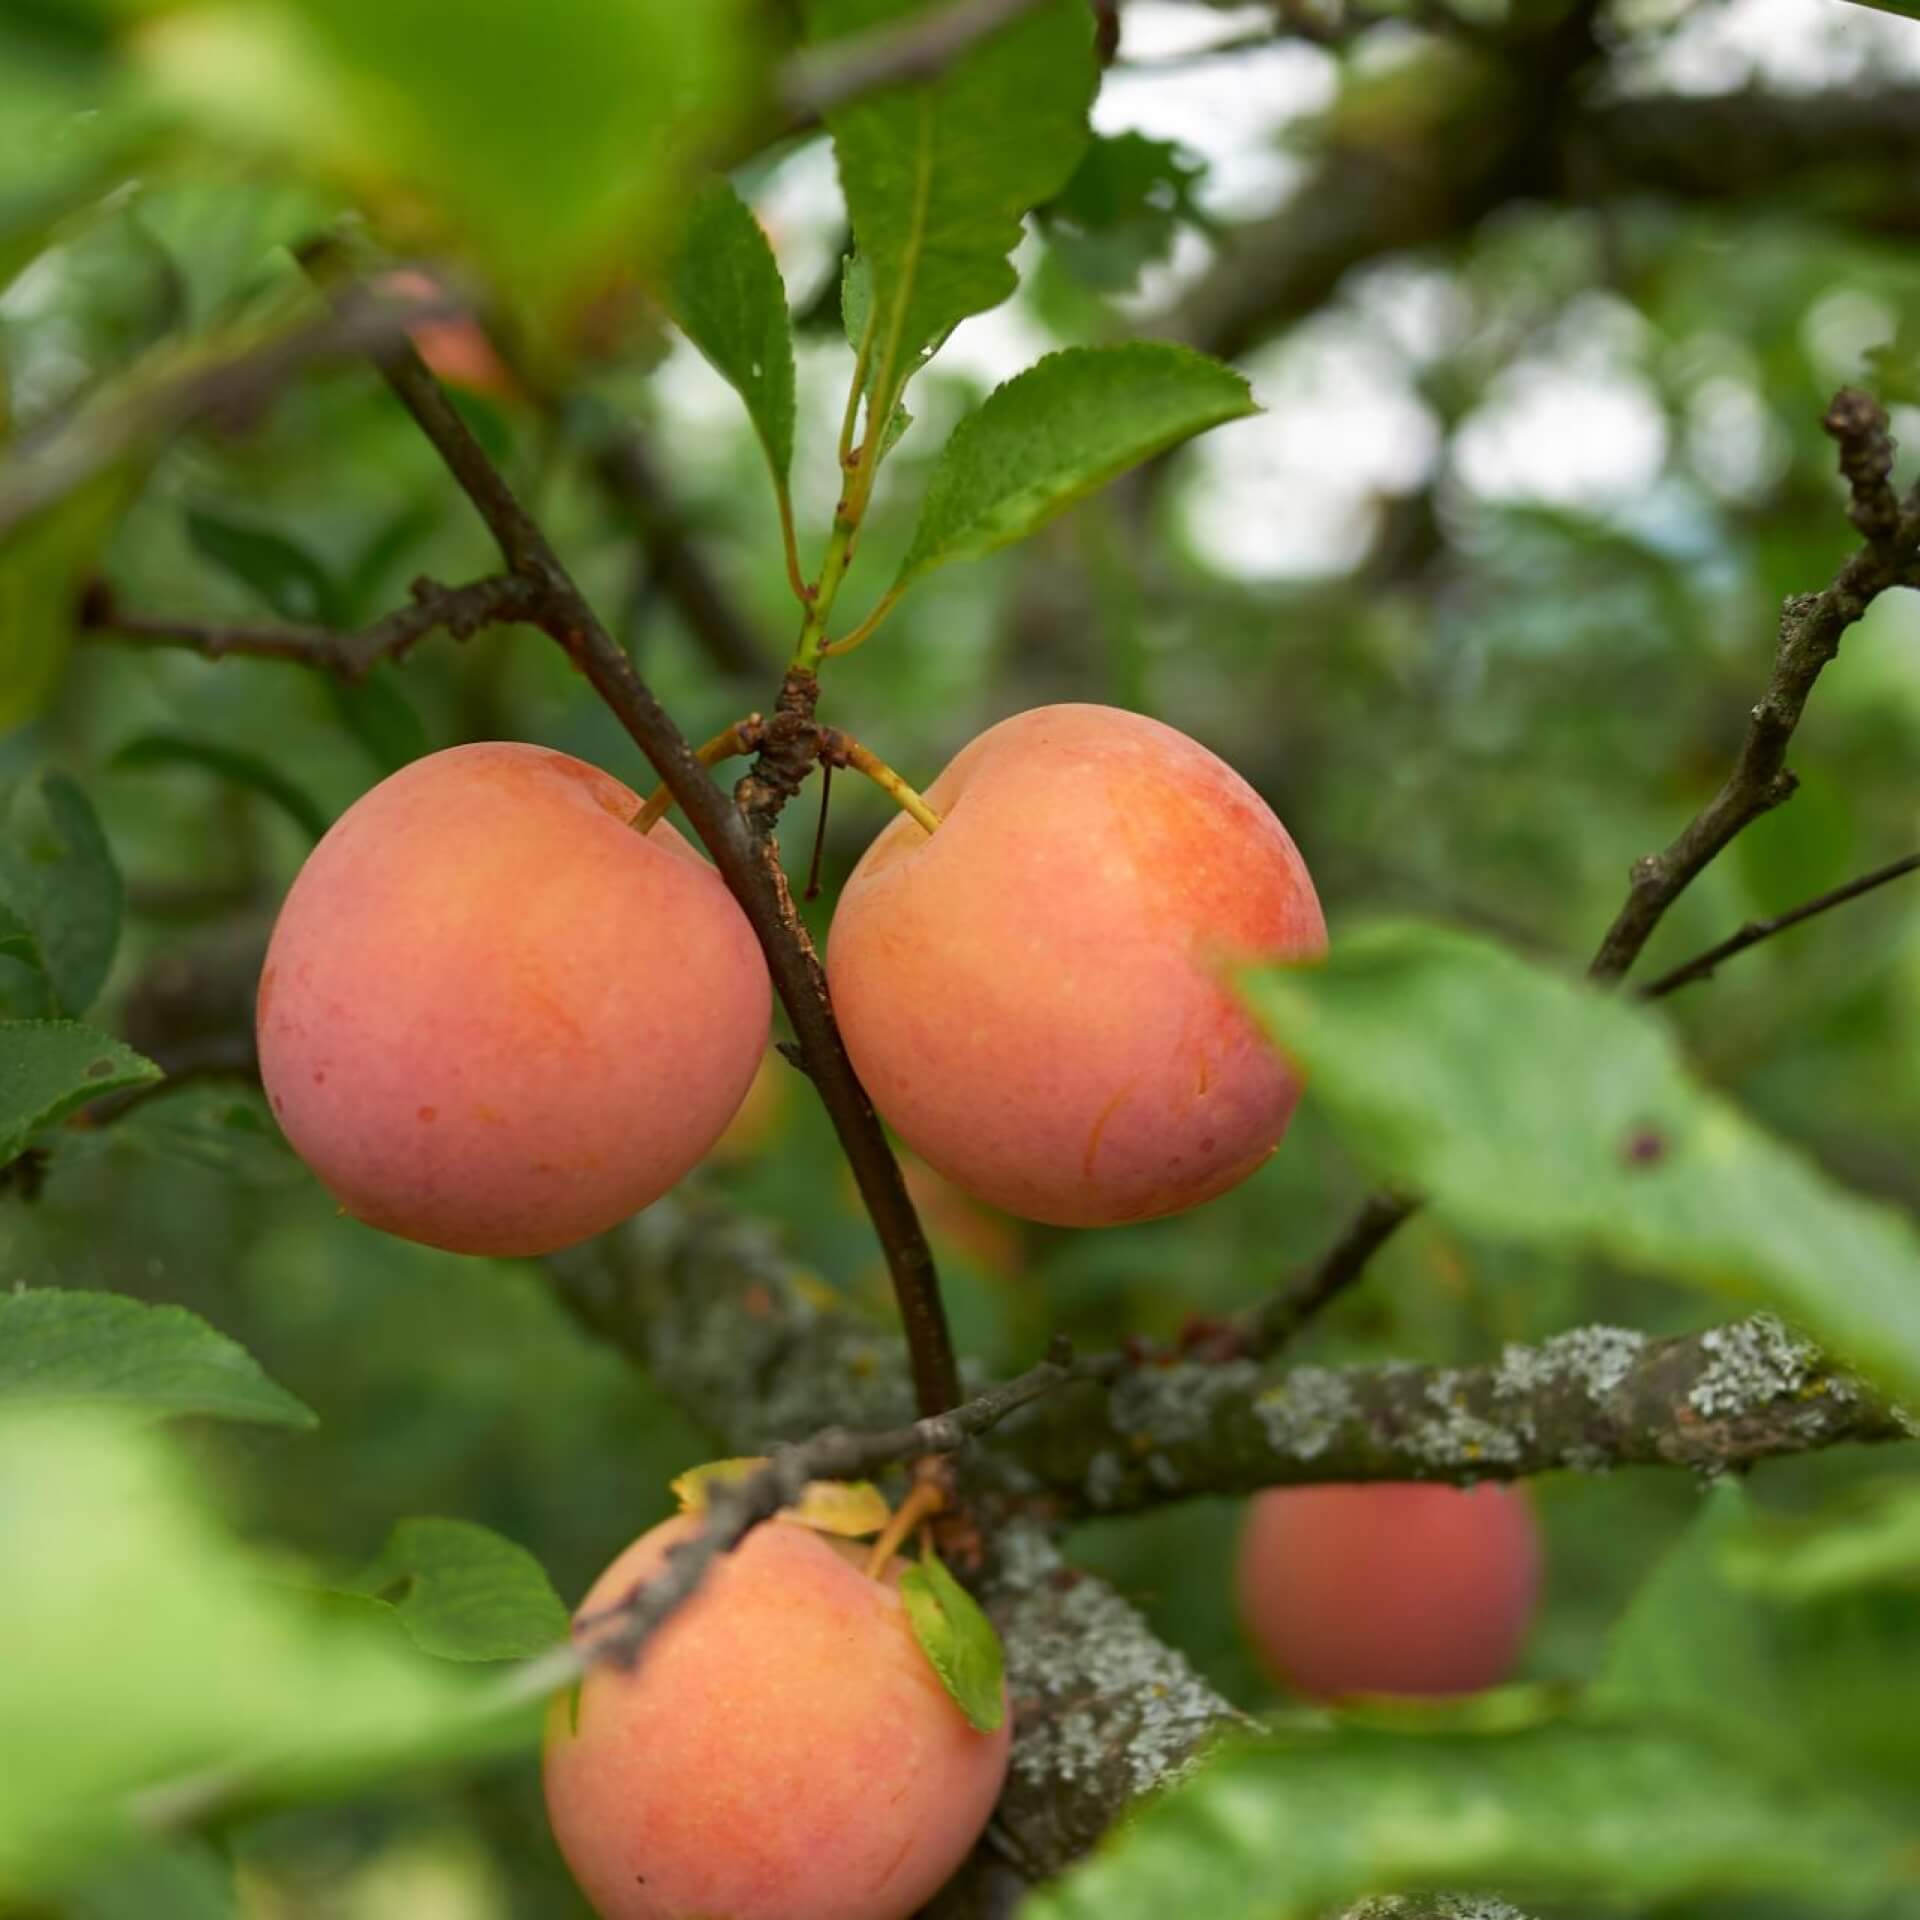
(493, 1017)
(1036, 995)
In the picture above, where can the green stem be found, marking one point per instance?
(865, 630)
(848, 751)
(723, 746)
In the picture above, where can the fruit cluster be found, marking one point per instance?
(496, 1019)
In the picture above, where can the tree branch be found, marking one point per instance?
(1592, 1399)
(460, 611)
(1704, 965)
(1811, 627)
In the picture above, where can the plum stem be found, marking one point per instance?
(921, 1504)
(843, 750)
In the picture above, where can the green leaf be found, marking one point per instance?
(381, 718)
(959, 1639)
(1693, 1649)
(42, 568)
(50, 1068)
(150, 1648)
(1285, 1829)
(464, 1593)
(149, 750)
(283, 574)
(1053, 434)
(939, 176)
(552, 146)
(185, 1880)
(1546, 1113)
(1872, 1541)
(726, 294)
(65, 1346)
(1906, 9)
(58, 878)
(1122, 209)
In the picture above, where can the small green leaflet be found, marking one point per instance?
(59, 881)
(1123, 208)
(939, 176)
(1284, 1829)
(104, 1349)
(148, 750)
(464, 1593)
(1055, 433)
(48, 1068)
(1538, 1111)
(727, 297)
(959, 1639)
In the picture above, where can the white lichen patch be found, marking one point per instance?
(1455, 1436)
(1753, 1364)
(1100, 1698)
(1596, 1359)
(1433, 1906)
(1106, 1478)
(1178, 1406)
(1303, 1414)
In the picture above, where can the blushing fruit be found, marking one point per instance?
(1394, 1587)
(494, 1018)
(782, 1751)
(1036, 994)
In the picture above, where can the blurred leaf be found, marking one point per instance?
(1537, 1110)
(66, 1346)
(939, 176)
(149, 1650)
(227, 1128)
(49, 1068)
(959, 1639)
(1907, 9)
(42, 569)
(726, 293)
(58, 877)
(1873, 1541)
(1695, 1650)
(380, 717)
(245, 769)
(1285, 1829)
(1122, 209)
(184, 1880)
(1053, 434)
(284, 575)
(550, 144)
(464, 1593)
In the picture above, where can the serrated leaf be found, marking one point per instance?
(1055, 433)
(58, 877)
(50, 1068)
(465, 1593)
(1543, 1112)
(849, 1508)
(726, 295)
(288, 578)
(1285, 1829)
(938, 176)
(152, 1647)
(1123, 208)
(148, 750)
(959, 1639)
(71, 1347)
(42, 567)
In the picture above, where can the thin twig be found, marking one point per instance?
(1702, 966)
(822, 79)
(460, 611)
(1266, 1328)
(1811, 628)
